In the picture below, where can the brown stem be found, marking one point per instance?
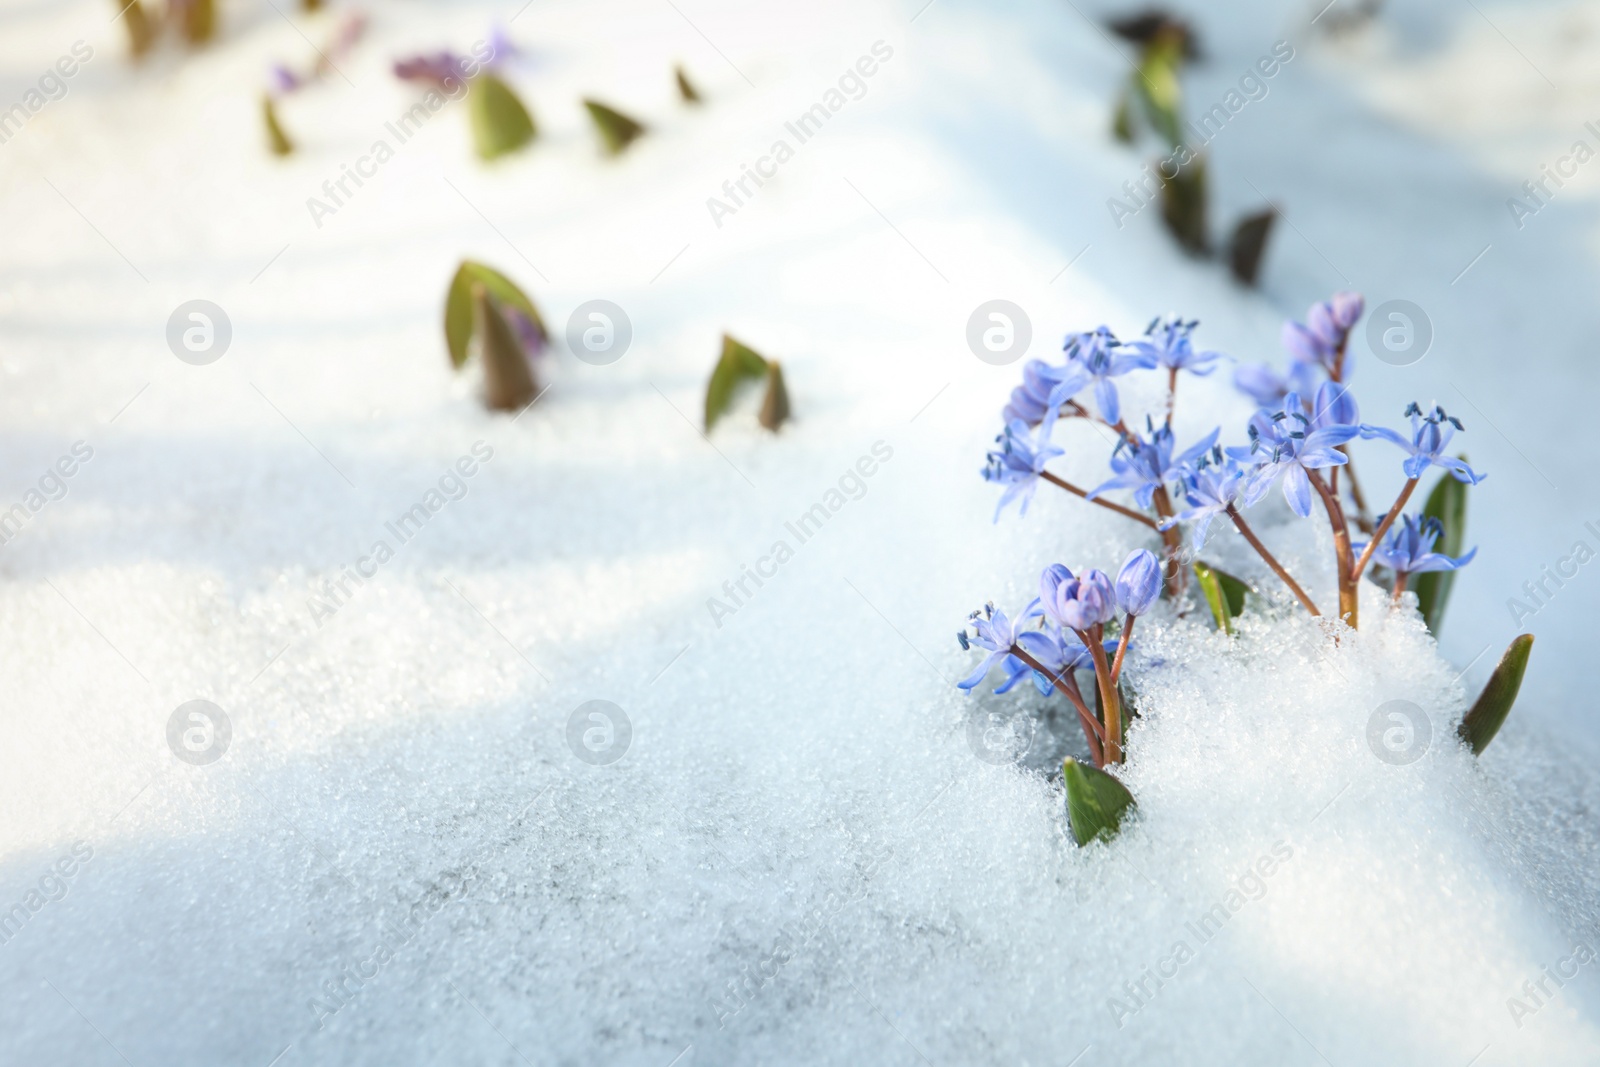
(1400, 584)
(1348, 601)
(1122, 648)
(1177, 578)
(1118, 508)
(1110, 701)
(1363, 517)
(1068, 686)
(1172, 392)
(1383, 528)
(1277, 568)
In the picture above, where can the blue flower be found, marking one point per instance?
(1211, 487)
(1030, 401)
(996, 634)
(1167, 339)
(1138, 582)
(1430, 436)
(1095, 358)
(1285, 445)
(1268, 388)
(1408, 548)
(1145, 464)
(1334, 406)
(1080, 602)
(1017, 464)
(1323, 338)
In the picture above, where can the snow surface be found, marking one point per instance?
(800, 814)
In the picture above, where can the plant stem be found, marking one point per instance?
(1383, 528)
(1110, 700)
(1177, 578)
(1277, 568)
(1363, 518)
(1068, 686)
(1122, 648)
(1400, 584)
(1348, 600)
(1118, 508)
(1172, 392)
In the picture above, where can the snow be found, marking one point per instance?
(800, 858)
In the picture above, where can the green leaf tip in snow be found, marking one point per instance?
(1096, 802)
(1249, 244)
(1183, 205)
(141, 32)
(1223, 592)
(775, 404)
(500, 124)
(617, 130)
(1489, 712)
(686, 90)
(458, 312)
(507, 380)
(1448, 504)
(277, 141)
(198, 20)
(737, 365)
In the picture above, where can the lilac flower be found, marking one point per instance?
(1017, 464)
(1268, 388)
(529, 333)
(282, 81)
(1167, 339)
(1095, 358)
(1145, 464)
(1322, 339)
(1138, 582)
(442, 69)
(1077, 603)
(1408, 548)
(1430, 436)
(1210, 488)
(1285, 445)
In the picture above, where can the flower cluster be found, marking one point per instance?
(1298, 441)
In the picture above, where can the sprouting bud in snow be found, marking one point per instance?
(617, 130)
(1138, 582)
(686, 89)
(507, 379)
(738, 365)
(278, 142)
(197, 19)
(501, 123)
(775, 404)
(141, 31)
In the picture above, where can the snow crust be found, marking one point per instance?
(801, 857)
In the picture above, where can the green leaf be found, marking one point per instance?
(1183, 205)
(1223, 592)
(775, 404)
(1249, 244)
(686, 88)
(507, 380)
(1096, 801)
(1489, 712)
(1156, 83)
(1448, 504)
(500, 124)
(277, 140)
(458, 319)
(737, 365)
(199, 21)
(617, 130)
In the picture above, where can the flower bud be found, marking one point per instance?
(1139, 582)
